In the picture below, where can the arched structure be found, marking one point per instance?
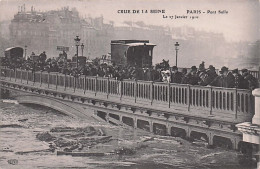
(62, 106)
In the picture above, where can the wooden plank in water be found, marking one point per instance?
(80, 154)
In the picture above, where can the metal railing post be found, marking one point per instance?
(56, 81)
(135, 90)
(108, 87)
(33, 76)
(65, 82)
(69, 82)
(210, 100)
(41, 79)
(48, 79)
(74, 83)
(235, 103)
(10, 74)
(85, 84)
(27, 76)
(188, 97)
(169, 96)
(151, 92)
(15, 75)
(120, 88)
(21, 76)
(96, 86)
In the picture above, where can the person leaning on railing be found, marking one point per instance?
(176, 76)
(192, 77)
(252, 81)
(240, 82)
(225, 79)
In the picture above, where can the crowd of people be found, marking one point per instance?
(209, 77)
(195, 76)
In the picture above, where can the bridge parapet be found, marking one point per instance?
(228, 104)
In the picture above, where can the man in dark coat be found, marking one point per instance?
(139, 74)
(184, 79)
(250, 79)
(176, 76)
(240, 82)
(211, 71)
(156, 75)
(192, 77)
(225, 79)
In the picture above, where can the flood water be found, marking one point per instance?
(21, 123)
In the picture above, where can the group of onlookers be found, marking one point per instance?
(209, 77)
(193, 76)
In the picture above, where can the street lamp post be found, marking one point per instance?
(177, 48)
(25, 48)
(82, 47)
(77, 43)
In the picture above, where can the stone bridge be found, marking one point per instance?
(162, 108)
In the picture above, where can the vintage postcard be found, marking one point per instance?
(130, 84)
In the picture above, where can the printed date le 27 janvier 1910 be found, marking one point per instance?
(194, 14)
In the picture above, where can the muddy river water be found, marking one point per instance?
(19, 125)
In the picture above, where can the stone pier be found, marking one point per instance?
(251, 130)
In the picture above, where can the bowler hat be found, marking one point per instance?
(244, 70)
(211, 67)
(224, 68)
(193, 68)
(174, 68)
(235, 71)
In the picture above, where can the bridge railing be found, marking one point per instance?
(91, 84)
(143, 90)
(102, 85)
(179, 95)
(206, 100)
(114, 86)
(160, 92)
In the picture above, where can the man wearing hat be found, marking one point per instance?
(194, 69)
(250, 79)
(176, 76)
(240, 82)
(244, 72)
(211, 74)
(225, 79)
(192, 77)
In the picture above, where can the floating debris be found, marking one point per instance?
(71, 139)
(10, 101)
(33, 151)
(22, 120)
(11, 125)
(46, 136)
(125, 151)
(13, 161)
(80, 154)
(6, 149)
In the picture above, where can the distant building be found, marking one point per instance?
(46, 30)
(138, 53)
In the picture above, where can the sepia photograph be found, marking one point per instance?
(130, 84)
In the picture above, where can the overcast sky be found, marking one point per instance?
(241, 22)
